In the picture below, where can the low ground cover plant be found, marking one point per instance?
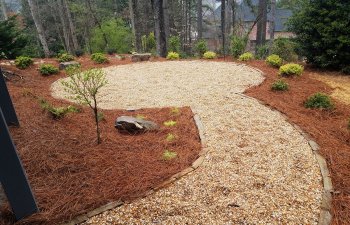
(274, 60)
(175, 111)
(319, 101)
(170, 137)
(173, 55)
(246, 56)
(65, 57)
(280, 85)
(168, 155)
(99, 58)
(48, 69)
(170, 123)
(23, 62)
(291, 69)
(209, 55)
(57, 112)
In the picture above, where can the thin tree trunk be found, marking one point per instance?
(273, 18)
(53, 7)
(261, 25)
(97, 122)
(132, 19)
(71, 26)
(159, 27)
(233, 8)
(223, 25)
(39, 27)
(166, 21)
(64, 27)
(189, 24)
(97, 22)
(3, 9)
(200, 18)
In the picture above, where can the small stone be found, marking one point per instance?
(134, 125)
(140, 57)
(64, 65)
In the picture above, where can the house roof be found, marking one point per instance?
(245, 13)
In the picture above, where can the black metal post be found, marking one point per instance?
(6, 103)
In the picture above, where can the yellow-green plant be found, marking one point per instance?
(274, 60)
(291, 69)
(99, 58)
(175, 111)
(139, 116)
(280, 85)
(246, 56)
(209, 55)
(170, 123)
(65, 57)
(173, 55)
(23, 62)
(48, 69)
(170, 137)
(168, 155)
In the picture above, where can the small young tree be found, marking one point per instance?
(84, 87)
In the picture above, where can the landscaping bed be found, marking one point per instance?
(327, 127)
(69, 173)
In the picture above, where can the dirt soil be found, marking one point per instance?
(328, 128)
(69, 173)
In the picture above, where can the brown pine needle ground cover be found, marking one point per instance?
(69, 173)
(328, 128)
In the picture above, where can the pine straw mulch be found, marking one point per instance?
(328, 128)
(69, 173)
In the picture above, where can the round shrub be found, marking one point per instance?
(173, 55)
(285, 48)
(274, 60)
(99, 58)
(209, 55)
(23, 62)
(280, 85)
(320, 101)
(201, 47)
(246, 56)
(48, 69)
(65, 57)
(291, 69)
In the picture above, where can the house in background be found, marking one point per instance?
(245, 19)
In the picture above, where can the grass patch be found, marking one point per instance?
(170, 137)
(168, 155)
(170, 123)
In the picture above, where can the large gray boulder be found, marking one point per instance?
(134, 125)
(64, 65)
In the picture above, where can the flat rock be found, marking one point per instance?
(64, 65)
(134, 125)
(136, 57)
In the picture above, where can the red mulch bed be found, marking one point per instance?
(69, 173)
(328, 128)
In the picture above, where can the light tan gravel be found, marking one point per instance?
(259, 169)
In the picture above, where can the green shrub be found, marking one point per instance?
(238, 45)
(291, 69)
(65, 57)
(170, 137)
(168, 155)
(48, 69)
(99, 58)
(148, 43)
(262, 51)
(319, 100)
(170, 123)
(59, 112)
(174, 44)
(117, 33)
(280, 85)
(23, 62)
(209, 55)
(246, 56)
(173, 55)
(201, 47)
(285, 48)
(274, 60)
(323, 32)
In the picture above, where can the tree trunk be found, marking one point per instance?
(160, 27)
(132, 20)
(39, 27)
(64, 27)
(261, 25)
(3, 9)
(71, 26)
(223, 25)
(166, 21)
(272, 22)
(233, 8)
(97, 22)
(199, 19)
(53, 8)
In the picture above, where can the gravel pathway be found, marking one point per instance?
(259, 169)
